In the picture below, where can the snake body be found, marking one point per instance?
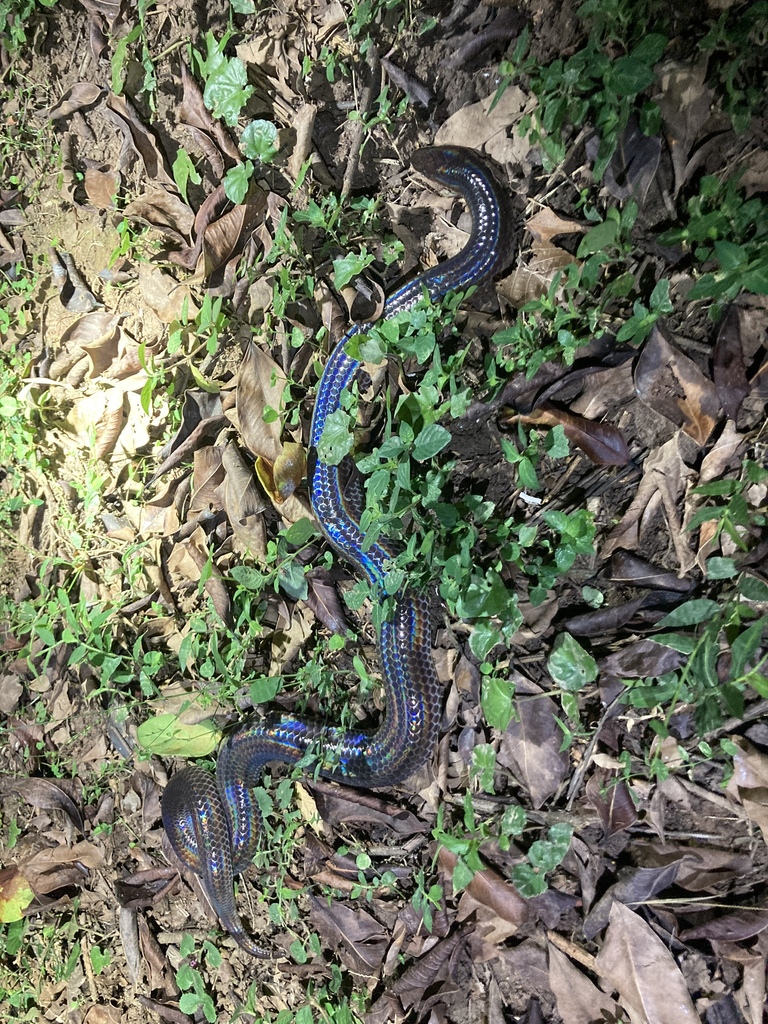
(213, 823)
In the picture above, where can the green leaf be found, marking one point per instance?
(298, 952)
(600, 237)
(349, 266)
(300, 532)
(243, 6)
(628, 76)
(721, 568)
(264, 690)
(659, 300)
(483, 639)
(237, 180)
(483, 765)
(259, 141)
(462, 875)
(167, 736)
(431, 440)
(227, 90)
(689, 614)
(729, 255)
(336, 440)
(293, 581)
(496, 699)
(184, 171)
(529, 882)
(753, 589)
(744, 646)
(570, 666)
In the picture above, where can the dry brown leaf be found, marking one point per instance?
(207, 477)
(78, 96)
(223, 238)
(610, 797)
(477, 126)
(101, 186)
(749, 783)
(141, 140)
(666, 478)
(531, 280)
(685, 103)
(491, 890)
(360, 939)
(673, 385)
(244, 504)
(163, 210)
(169, 298)
(61, 866)
(578, 1000)
(601, 442)
(636, 963)
(260, 386)
(546, 225)
(530, 746)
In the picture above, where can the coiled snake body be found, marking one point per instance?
(213, 822)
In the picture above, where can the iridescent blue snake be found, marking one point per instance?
(213, 823)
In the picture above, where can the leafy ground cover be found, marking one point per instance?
(194, 201)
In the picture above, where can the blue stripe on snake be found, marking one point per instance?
(213, 823)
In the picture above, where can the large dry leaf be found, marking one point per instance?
(477, 126)
(244, 504)
(685, 103)
(636, 963)
(601, 442)
(164, 210)
(729, 366)
(170, 299)
(666, 478)
(639, 885)
(356, 934)
(530, 747)
(579, 1000)
(749, 783)
(141, 140)
(490, 889)
(260, 386)
(672, 384)
(223, 238)
(531, 280)
(78, 96)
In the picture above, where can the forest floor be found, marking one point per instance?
(195, 201)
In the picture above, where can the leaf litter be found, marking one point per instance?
(616, 933)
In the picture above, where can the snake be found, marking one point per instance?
(213, 822)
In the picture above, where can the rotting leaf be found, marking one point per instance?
(491, 889)
(638, 965)
(672, 384)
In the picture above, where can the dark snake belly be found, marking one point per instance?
(213, 823)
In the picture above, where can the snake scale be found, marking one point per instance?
(213, 822)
